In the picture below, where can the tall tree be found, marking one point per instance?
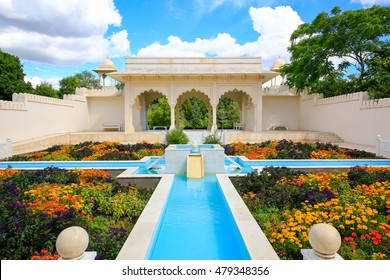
(159, 113)
(323, 51)
(195, 113)
(228, 113)
(84, 79)
(46, 89)
(12, 77)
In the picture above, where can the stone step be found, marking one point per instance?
(329, 137)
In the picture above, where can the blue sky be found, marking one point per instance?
(56, 39)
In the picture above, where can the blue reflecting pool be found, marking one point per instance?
(196, 224)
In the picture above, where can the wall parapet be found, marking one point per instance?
(11, 105)
(104, 91)
(26, 97)
(313, 96)
(377, 103)
(341, 98)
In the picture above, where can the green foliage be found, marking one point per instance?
(84, 79)
(12, 77)
(378, 74)
(109, 211)
(176, 136)
(159, 113)
(272, 193)
(46, 89)
(357, 36)
(195, 113)
(68, 85)
(228, 113)
(212, 139)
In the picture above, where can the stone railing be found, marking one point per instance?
(382, 147)
(325, 241)
(6, 149)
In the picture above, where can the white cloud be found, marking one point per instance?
(35, 81)
(273, 25)
(371, 2)
(119, 44)
(62, 31)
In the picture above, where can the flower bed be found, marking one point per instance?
(265, 150)
(285, 149)
(94, 151)
(35, 206)
(287, 203)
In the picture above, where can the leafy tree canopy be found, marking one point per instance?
(323, 51)
(159, 113)
(84, 79)
(228, 112)
(46, 89)
(12, 77)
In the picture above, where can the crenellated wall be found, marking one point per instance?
(31, 116)
(352, 116)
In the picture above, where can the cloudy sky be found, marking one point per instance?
(56, 39)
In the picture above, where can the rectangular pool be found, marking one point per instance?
(196, 224)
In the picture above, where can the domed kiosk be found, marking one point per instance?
(107, 66)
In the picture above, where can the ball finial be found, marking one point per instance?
(72, 242)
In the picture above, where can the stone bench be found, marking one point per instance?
(160, 127)
(111, 127)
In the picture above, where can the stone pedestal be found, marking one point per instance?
(325, 241)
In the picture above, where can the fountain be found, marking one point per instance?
(176, 158)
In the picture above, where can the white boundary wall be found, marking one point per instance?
(30, 116)
(352, 117)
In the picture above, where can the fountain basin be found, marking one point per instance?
(176, 158)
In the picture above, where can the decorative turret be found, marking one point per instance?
(107, 66)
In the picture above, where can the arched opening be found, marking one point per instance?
(228, 113)
(193, 110)
(235, 110)
(153, 110)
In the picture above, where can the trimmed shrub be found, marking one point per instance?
(176, 136)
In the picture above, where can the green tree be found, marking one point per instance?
(228, 113)
(378, 76)
(46, 89)
(352, 38)
(68, 85)
(195, 113)
(88, 79)
(12, 77)
(159, 113)
(84, 79)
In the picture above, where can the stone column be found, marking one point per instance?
(209, 119)
(214, 125)
(172, 106)
(129, 128)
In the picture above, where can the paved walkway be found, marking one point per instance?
(366, 148)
